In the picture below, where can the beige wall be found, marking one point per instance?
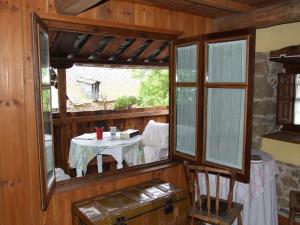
(277, 37)
(282, 151)
(268, 39)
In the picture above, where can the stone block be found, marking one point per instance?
(264, 107)
(262, 88)
(261, 68)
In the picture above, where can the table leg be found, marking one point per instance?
(135, 155)
(117, 154)
(99, 163)
(79, 172)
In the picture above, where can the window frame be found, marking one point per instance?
(247, 34)
(85, 25)
(75, 24)
(196, 40)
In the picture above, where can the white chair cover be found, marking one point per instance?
(155, 141)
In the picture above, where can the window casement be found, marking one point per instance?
(212, 77)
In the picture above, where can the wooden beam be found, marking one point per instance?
(285, 12)
(74, 7)
(64, 63)
(102, 27)
(227, 5)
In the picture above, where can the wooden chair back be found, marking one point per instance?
(194, 187)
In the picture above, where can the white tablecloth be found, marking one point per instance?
(258, 197)
(84, 149)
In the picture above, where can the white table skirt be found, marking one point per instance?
(83, 150)
(258, 197)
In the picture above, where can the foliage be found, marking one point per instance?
(125, 102)
(154, 87)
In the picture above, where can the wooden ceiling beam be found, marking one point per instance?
(281, 13)
(128, 42)
(157, 52)
(79, 42)
(140, 50)
(67, 63)
(74, 7)
(226, 5)
(101, 46)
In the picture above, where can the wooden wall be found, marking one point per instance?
(19, 182)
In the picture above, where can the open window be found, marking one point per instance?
(43, 111)
(210, 93)
(213, 81)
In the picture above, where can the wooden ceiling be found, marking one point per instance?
(211, 8)
(68, 48)
(208, 8)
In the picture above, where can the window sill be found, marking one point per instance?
(88, 181)
(286, 136)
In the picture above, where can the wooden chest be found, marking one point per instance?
(152, 203)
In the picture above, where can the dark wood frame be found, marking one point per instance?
(197, 84)
(243, 34)
(75, 24)
(249, 36)
(44, 192)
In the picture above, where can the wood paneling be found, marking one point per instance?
(227, 5)
(59, 211)
(74, 7)
(19, 183)
(281, 13)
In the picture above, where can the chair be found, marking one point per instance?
(208, 209)
(294, 206)
(155, 141)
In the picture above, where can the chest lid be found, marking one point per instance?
(127, 203)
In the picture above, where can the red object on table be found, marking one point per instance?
(99, 132)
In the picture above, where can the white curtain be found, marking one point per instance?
(186, 63)
(186, 99)
(225, 126)
(227, 61)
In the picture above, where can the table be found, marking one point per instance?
(258, 197)
(85, 147)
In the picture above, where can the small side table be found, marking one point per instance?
(294, 206)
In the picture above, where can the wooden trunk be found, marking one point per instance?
(153, 203)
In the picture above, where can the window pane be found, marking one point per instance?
(297, 101)
(186, 99)
(225, 125)
(186, 65)
(227, 61)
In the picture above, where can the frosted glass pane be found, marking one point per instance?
(186, 99)
(225, 126)
(227, 62)
(297, 112)
(186, 64)
(297, 101)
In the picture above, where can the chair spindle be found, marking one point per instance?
(217, 193)
(198, 189)
(207, 191)
(230, 194)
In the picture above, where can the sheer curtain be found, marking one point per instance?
(227, 62)
(225, 106)
(225, 126)
(186, 99)
(186, 65)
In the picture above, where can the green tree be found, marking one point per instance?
(125, 102)
(154, 87)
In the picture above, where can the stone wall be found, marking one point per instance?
(288, 179)
(265, 92)
(264, 122)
